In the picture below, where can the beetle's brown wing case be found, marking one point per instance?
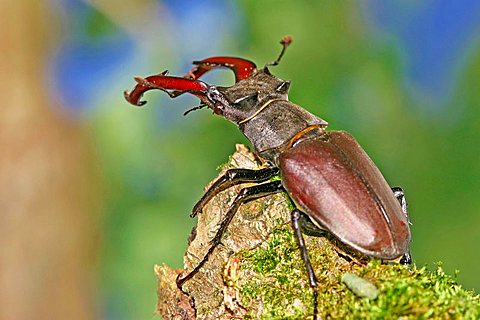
(334, 181)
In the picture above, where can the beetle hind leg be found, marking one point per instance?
(400, 195)
(298, 223)
(245, 195)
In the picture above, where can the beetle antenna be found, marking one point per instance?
(194, 108)
(285, 42)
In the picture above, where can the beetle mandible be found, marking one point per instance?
(333, 183)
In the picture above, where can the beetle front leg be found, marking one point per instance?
(400, 195)
(296, 224)
(245, 195)
(231, 178)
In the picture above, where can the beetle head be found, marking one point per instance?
(253, 88)
(246, 97)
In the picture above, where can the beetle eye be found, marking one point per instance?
(247, 101)
(283, 87)
(218, 108)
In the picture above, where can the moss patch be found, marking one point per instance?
(276, 286)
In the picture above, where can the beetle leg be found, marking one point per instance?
(309, 228)
(400, 195)
(230, 178)
(297, 228)
(245, 195)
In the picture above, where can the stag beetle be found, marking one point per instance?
(332, 182)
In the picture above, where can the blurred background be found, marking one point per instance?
(94, 191)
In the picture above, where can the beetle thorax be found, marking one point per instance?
(259, 106)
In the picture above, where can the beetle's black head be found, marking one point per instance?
(253, 88)
(246, 97)
(257, 102)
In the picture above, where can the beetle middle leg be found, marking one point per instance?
(230, 178)
(297, 223)
(400, 195)
(245, 195)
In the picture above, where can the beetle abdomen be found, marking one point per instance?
(334, 181)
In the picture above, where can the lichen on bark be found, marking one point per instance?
(257, 271)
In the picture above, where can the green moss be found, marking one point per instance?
(266, 260)
(276, 178)
(277, 281)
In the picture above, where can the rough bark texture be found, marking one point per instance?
(257, 272)
(251, 226)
